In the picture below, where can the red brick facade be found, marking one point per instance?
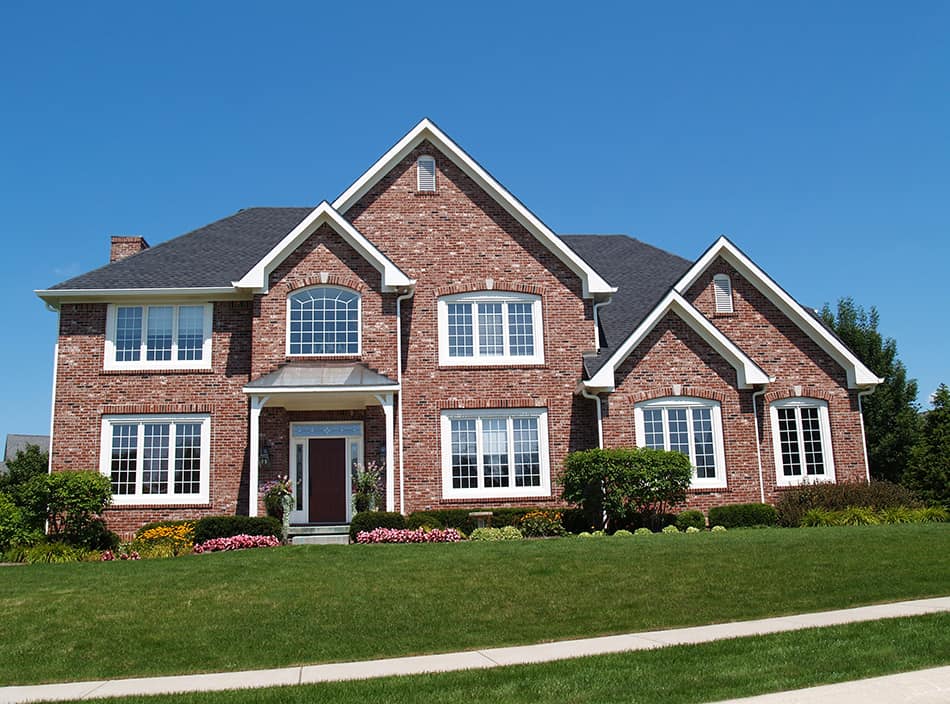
(458, 239)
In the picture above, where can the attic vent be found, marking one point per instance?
(425, 167)
(722, 285)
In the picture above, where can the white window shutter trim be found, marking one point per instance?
(722, 285)
(426, 173)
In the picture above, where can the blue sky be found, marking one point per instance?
(815, 135)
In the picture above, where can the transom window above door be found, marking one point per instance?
(323, 320)
(490, 327)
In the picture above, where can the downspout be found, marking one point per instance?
(600, 423)
(52, 410)
(597, 307)
(758, 444)
(864, 440)
(402, 478)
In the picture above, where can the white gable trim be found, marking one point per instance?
(593, 283)
(859, 376)
(748, 373)
(257, 278)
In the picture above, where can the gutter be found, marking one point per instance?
(758, 444)
(864, 440)
(597, 307)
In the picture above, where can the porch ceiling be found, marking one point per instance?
(315, 385)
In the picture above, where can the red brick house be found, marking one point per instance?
(427, 320)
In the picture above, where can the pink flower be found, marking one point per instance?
(237, 542)
(401, 535)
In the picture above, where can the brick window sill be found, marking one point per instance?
(492, 367)
(151, 507)
(153, 372)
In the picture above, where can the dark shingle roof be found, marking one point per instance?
(643, 275)
(211, 256)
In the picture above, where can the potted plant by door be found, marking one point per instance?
(366, 486)
(279, 501)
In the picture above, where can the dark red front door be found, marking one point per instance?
(328, 480)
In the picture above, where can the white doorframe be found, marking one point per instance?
(299, 459)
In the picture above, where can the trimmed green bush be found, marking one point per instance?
(671, 530)
(229, 526)
(366, 521)
(796, 502)
(459, 518)
(495, 534)
(643, 531)
(718, 529)
(743, 515)
(623, 533)
(691, 519)
(574, 520)
(692, 529)
(421, 519)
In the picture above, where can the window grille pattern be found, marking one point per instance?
(324, 320)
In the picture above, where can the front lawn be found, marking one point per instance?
(684, 674)
(276, 607)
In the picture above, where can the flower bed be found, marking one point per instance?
(402, 535)
(237, 542)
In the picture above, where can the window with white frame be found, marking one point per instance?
(495, 453)
(801, 440)
(323, 320)
(156, 459)
(692, 426)
(490, 327)
(425, 174)
(158, 336)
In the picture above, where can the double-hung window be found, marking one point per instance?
(156, 459)
(692, 426)
(801, 440)
(495, 453)
(159, 336)
(323, 320)
(490, 327)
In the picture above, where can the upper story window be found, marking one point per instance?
(323, 320)
(156, 459)
(163, 336)
(692, 426)
(722, 286)
(425, 174)
(490, 327)
(801, 440)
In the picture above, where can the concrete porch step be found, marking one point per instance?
(320, 535)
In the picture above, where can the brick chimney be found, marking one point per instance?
(125, 246)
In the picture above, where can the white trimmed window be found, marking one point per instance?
(722, 286)
(323, 320)
(495, 453)
(425, 174)
(161, 336)
(801, 440)
(490, 327)
(156, 459)
(692, 426)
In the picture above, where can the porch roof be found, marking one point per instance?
(316, 377)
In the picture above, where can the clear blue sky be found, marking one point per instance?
(815, 135)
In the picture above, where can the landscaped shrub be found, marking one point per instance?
(403, 535)
(275, 492)
(71, 503)
(124, 552)
(858, 516)
(796, 502)
(237, 542)
(540, 524)
(13, 527)
(228, 526)
(422, 519)
(52, 553)
(742, 515)
(643, 531)
(164, 524)
(575, 520)
(671, 530)
(166, 540)
(621, 481)
(460, 519)
(691, 519)
(623, 533)
(692, 529)
(494, 534)
(718, 529)
(370, 520)
(91, 535)
(367, 486)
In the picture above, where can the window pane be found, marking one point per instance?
(461, 336)
(298, 484)
(124, 458)
(155, 459)
(188, 458)
(190, 332)
(495, 451)
(527, 452)
(491, 334)
(520, 329)
(679, 430)
(811, 440)
(159, 340)
(705, 459)
(324, 321)
(464, 454)
(788, 440)
(653, 428)
(128, 334)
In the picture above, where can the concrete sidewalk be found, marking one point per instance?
(467, 660)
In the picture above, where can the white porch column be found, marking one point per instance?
(257, 403)
(386, 401)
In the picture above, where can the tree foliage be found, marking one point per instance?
(890, 414)
(929, 470)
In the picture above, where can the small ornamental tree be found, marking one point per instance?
(623, 481)
(72, 501)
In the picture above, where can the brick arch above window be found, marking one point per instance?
(789, 392)
(668, 391)
(292, 285)
(502, 285)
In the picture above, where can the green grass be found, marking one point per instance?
(272, 608)
(675, 675)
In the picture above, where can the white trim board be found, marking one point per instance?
(859, 375)
(593, 283)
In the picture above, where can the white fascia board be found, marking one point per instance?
(593, 284)
(748, 373)
(859, 376)
(257, 278)
(276, 391)
(53, 297)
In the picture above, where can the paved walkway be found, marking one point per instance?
(469, 660)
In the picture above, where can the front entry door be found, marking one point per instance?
(328, 484)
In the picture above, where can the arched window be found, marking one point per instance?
(323, 320)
